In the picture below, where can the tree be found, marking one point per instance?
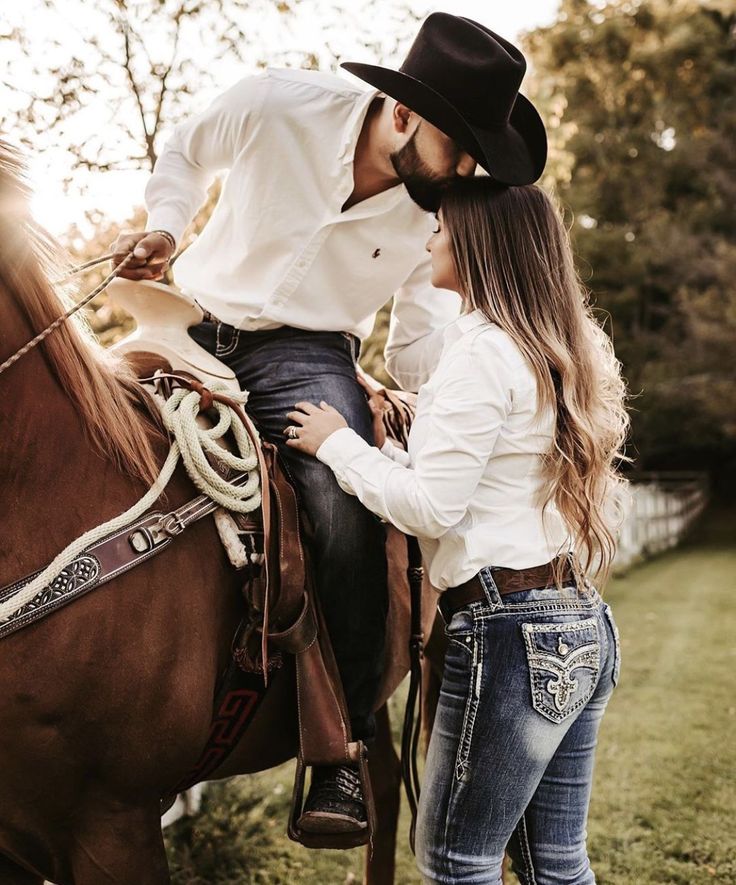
(103, 83)
(640, 100)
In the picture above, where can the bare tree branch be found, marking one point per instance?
(103, 92)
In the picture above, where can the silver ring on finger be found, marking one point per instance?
(292, 432)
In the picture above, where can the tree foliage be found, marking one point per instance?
(640, 98)
(103, 83)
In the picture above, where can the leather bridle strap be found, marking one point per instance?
(413, 713)
(107, 558)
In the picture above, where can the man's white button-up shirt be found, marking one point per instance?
(278, 249)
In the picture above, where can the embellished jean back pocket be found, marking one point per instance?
(564, 664)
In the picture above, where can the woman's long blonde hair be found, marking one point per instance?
(514, 263)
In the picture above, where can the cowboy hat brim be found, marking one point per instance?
(513, 154)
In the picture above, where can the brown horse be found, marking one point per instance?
(106, 703)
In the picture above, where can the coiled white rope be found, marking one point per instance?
(190, 444)
(180, 417)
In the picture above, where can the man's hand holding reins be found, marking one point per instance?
(151, 250)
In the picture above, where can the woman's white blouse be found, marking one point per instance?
(470, 486)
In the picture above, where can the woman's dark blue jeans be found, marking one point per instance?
(510, 764)
(279, 368)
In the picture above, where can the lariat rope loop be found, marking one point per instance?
(191, 442)
(179, 414)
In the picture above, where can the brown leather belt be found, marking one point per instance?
(507, 580)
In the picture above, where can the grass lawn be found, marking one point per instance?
(664, 800)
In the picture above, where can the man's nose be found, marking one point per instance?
(465, 165)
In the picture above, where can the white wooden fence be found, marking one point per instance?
(186, 805)
(662, 507)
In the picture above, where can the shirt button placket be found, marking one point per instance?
(300, 267)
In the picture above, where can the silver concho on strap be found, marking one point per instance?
(76, 577)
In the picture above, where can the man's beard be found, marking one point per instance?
(425, 187)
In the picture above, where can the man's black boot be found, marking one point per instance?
(335, 802)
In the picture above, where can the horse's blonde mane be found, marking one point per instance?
(108, 399)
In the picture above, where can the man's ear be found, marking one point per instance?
(402, 117)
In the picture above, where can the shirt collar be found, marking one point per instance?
(465, 323)
(350, 133)
(468, 321)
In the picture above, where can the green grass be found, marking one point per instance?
(664, 799)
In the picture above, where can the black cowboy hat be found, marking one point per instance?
(464, 79)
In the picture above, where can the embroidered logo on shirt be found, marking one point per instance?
(376, 253)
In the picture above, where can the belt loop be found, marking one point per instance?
(207, 316)
(573, 566)
(485, 576)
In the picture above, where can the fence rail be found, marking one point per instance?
(661, 509)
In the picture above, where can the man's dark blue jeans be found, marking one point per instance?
(279, 368)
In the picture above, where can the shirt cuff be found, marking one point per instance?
(168, 221)
(341, 447)
(396, 454)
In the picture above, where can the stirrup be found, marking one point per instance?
(358, 754)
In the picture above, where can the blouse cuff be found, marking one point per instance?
(400, 456)
(341, 447)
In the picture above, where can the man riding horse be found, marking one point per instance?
(324, 214)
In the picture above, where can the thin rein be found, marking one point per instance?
(72, 310)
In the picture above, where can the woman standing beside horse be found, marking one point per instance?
(511, 462)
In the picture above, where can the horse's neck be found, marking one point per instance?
(39, 415)
(51, 479)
